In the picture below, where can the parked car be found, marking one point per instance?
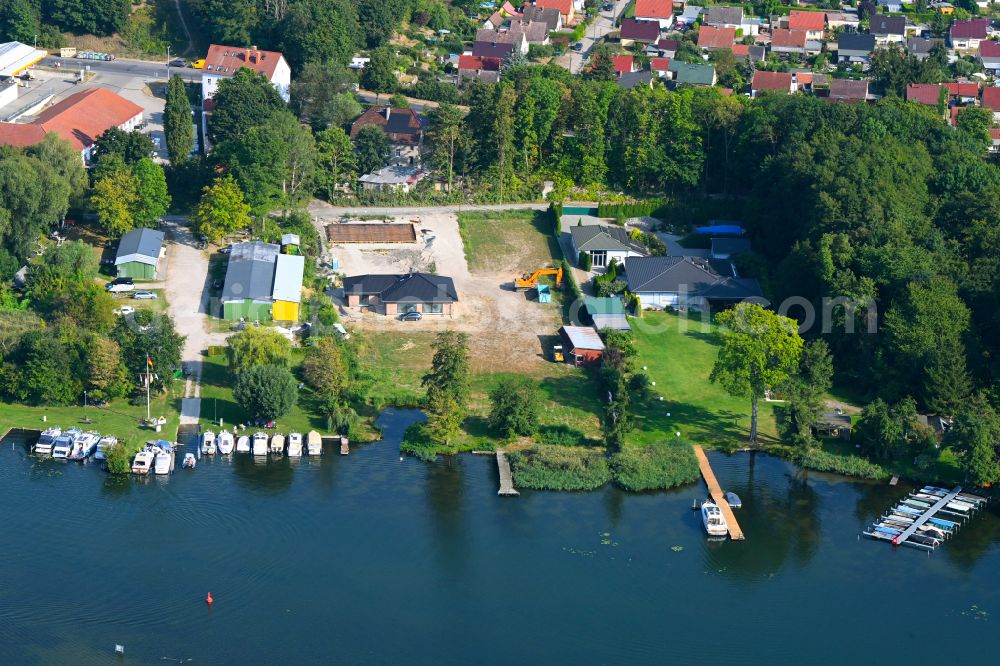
(608, 6)
(577, 47)
(198, 64)
(123, 280)
(145, 295)
(125, 310)
(410, 316)
(120, 287)
(226, 250)
(178, 62)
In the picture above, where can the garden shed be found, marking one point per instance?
(139, 253)
(583, 345)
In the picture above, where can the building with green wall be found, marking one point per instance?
(139, 253)
(261, 283)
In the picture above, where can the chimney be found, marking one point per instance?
(388, 112)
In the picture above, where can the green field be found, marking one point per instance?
(517, 241)
(680, 362)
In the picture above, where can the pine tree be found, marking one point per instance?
(946, 380)
(177, 125)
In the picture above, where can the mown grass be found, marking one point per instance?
(518, 241)
(678, 356)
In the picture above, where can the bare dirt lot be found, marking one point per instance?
(510, 331)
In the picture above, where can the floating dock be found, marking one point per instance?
(926, 518)
(506, 480)
(715, 491)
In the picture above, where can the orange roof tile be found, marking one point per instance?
(710, 37)
(80, 119)
(788, 38)
(763, 80)
(226, 60)
(800, 20)
(623, 63)
(660, 9)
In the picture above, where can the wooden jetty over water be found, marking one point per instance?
(926, 518)
(506, 480)
(716, 492)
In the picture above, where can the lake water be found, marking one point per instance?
(369, 559)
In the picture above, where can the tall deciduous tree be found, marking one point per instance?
(336, 161)
(177, 121)
(152, 200)
(445, 135)
(325, 369)
(244, 101)
(114, 200)
(806, 389)
(371, 149)
(379, 74)
(222, 210)
(266, 391)
(322, 96)
(760, 351)
(514, 407)
(257, 346)
(129, 146)
(974, 434)
(149, 336)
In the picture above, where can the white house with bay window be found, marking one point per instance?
(604, 243)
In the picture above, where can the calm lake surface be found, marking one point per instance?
(367, 559)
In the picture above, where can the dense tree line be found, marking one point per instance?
(23, 20)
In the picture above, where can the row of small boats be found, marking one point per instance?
(73, 444)
(934, 530)
(156, 457)
(260, 444)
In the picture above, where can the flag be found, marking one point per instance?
(149, 362)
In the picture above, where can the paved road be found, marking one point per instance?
(122, 67)
(324, 210)
(601, 26)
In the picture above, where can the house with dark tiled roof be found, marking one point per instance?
(849, 89)
(640, 79)
(687, 282)
(641, 32)
(888, 29)
(665, 48)
(920, 47)
(491, 49)
(855, 47)
(968, 34)
(515, 38)
(398, 294)
(605, 243)
(403, 127)
(550, 16)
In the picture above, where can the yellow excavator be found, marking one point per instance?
(530, 280)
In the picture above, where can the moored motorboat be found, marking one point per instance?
(277, 444)
(189, 461)
(102, 446)
(143, 462)
(733, 500)
(163, 461)
(345, 446)
(84, 446)
(314, 443)
(208, 443)
(63, 444)
(713, 520)
(225, 443)
(259, 444)
(46, 440)
(294, 444)
(243, 444)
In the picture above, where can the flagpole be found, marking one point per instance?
(148, 363)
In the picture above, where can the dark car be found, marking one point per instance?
(577, 47)
(410, 316)
(608, 6)
(123, 280)
(179, 62)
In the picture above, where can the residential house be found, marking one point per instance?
(222, 62)
(887, 29)
(262, 284)
(753, 53)
(139, 253)
(496, 21)
(403, 127)
(486, 70)
(692, 73)
(991, 101)
(397, 294)
(920, 47)
(994, 139)
(392, 178)
(931, 94)
(843, 20)
(514, 38)
(989, 55)
(772, 81)
(788, 41)
(661, 11)
(605, 244)
(687, 282)
(550, 16)
(833, 424)
(666, 48)
(582, 344)
(534, 32)
(890, 6)
(852, 90)
(966, 35)
(566, 8)
(80, 119)
(659, 66)
(496, 50)
(641, 79)
(623, 64)
(606, 313)
(965, 93)
(855, 47)
(727, 248)
(724, 16)
(812, 23)
(711, 37)
(641, 32)
(690, 15)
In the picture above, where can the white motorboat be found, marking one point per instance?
(243, 444)
(208, 443)
(314, 443)
(84, 445)
(190, 461)
(225, 443)
(163, 461)
(714, 521)
(294, 444)
(143, 462)
(259, 444)
(277, 444)
(102, 447)
(46, 440)
(63, 445)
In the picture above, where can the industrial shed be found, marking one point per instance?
(139, 253)
(262, 284)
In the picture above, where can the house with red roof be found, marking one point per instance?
(788, 41)
(813, 23)
(989, 55)
(994, 140)
(80, 119)
(623, 64)
(772, 81)
(661, 11)
(711, 37)
(926, 93)
(991, 101)
(968, 34)
(403, 127)
(565, 7)
(486, 70)
(659, 66)
(964, 93)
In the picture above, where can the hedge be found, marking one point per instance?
(651, 208)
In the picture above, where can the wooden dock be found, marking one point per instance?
(506, 480)
(715, 491)
(926, 515)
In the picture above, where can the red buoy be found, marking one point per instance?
(208, 599)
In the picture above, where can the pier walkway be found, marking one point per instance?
(927, 515)
(506, 480)
(715, 491)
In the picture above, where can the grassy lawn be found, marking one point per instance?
(119, 418)
(680, 362)
(518, 241)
